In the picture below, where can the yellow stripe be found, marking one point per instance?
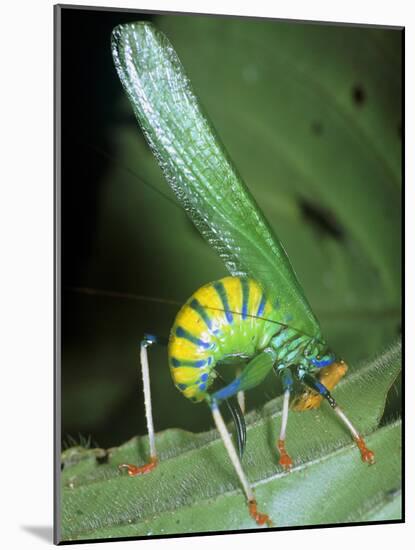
(186, 375)
(184, 349)
(233, 289)
(255, 295)
(208, 297)
(191, 321)
(190, 392)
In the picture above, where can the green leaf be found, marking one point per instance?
(194, 489)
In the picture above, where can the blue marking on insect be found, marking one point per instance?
(287, 379)
(204, 377)
(261, 305)
(321, 363)
(183, 333)
(224, 393)
(188, 363)
(220, 289)
(202, 387)
(197, 306)
(322, 389)
(245, 298)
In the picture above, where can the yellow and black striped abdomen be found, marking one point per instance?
(228, 317)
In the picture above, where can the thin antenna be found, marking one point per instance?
(142, 298)
(121, 295)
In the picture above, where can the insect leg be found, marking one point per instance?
(367, 454)
(253, 373)
(238, 419)
(287, 383)
(148, 340)
(329, 376)
(241, 394)
(261, 519)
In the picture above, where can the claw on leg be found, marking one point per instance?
(133, 470)
(367, 454)
(261, 519)
(330, 377)
(285, 459)
(139, 470)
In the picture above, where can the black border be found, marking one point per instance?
(57, 274)
(57, 10)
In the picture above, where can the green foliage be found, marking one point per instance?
(195, 489)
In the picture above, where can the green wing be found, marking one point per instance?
(200, 171)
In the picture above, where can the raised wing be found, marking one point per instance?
(200, 171)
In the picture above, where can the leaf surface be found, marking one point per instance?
(194, 489)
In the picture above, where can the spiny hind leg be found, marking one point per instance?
(366, 454)
(330, 377)
(261, 519)
(287, 383)
(132, 470)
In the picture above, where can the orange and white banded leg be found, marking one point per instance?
(287, 382)
(133, 470)
(366, 454)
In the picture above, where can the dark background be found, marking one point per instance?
(311, 115)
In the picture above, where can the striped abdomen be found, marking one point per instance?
(225, 319)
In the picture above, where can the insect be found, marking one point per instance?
(259, 314)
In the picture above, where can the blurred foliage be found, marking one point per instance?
(310, 115)
(195, 489)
